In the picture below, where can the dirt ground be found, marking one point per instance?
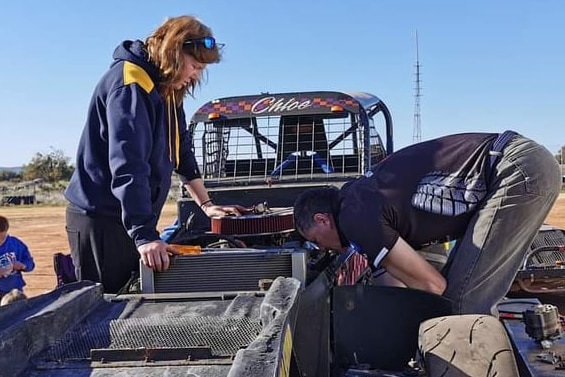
(43, 230)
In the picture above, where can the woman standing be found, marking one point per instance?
(134, 138)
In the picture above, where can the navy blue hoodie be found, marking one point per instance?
(132, 142)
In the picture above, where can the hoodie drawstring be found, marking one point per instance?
(176, 148)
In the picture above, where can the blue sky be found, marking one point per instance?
(485, 65)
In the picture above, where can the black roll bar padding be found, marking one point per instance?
(380, 106)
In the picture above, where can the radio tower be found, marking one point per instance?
(417, 133)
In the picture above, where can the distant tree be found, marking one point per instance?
(7, 175)
(51, 167)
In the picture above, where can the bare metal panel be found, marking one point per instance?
(378, 326)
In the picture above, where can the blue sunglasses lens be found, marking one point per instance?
(209, 42)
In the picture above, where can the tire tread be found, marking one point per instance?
(466, 345)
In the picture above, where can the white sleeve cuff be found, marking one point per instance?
(380, 256)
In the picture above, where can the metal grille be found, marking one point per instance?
(547, 257)
(221, 271)
(280, 147)
(224, 335)
(554, 237)
(547, 249)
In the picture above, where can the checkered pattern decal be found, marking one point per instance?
(278, 104)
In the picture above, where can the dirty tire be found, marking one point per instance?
(466, 345)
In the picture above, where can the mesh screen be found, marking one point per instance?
(280, 147)
(224, 335)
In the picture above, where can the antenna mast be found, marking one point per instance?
(417, 132)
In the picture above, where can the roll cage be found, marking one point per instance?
(295, 136)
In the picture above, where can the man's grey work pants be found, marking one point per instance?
(523, 186)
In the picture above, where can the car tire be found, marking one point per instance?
(466, 345)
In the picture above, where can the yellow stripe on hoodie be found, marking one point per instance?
(134, 74)
(177, 136)
(169, 127)
(173, 132)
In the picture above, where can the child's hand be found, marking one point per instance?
(18, 266)
(5, 271)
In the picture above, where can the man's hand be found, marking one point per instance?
(155, 255)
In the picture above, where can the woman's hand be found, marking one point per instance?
(212, 210)
(155, 255)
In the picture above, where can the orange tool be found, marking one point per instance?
(186, 249)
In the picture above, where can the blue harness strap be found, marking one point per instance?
(501, 141)
(326, 168)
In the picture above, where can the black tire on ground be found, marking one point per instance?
(466, 345)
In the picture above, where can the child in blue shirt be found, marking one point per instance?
(15, 258)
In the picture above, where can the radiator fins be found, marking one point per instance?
(276, 222)
(222, 271)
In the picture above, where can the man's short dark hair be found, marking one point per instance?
(312, 201)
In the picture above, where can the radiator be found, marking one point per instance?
(228, 270)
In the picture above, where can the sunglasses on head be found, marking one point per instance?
(209, 43)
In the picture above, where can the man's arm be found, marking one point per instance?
(405, 264)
